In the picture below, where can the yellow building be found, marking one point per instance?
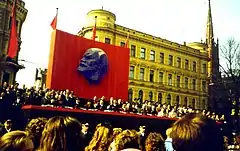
(160, 70)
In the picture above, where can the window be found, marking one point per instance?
(160, 77)
(151, 76)
(177, 100)
(133, 51)
(152, 55)
(185, 101)
(186, 83)
(193, 103)
(130, 95)
(204, 68)
(186, 64)
(169, 79)
(162, 58)
(170, 60)
(10, 23)
(140, 95)
(204, 86)
(178, 62)
(131, 73)
(142, 53)
(178, 81)
(122, 44)
(160, 98)
(168, 99)
(194, 84)
(141, 73)
(203, 104)
(194, 66)
(150, 96)
(107, 40)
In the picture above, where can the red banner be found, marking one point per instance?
(66, 52)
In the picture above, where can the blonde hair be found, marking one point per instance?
(15, 140)
(127, 139)
(101, 139)
(61, 133)
(154, 142)
(116, 131)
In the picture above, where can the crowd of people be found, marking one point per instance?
(194, 130)
(67, 99)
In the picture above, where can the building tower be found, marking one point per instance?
(9, 67)
(213, 50)
(213, 64)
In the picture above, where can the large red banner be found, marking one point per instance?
(65, 54)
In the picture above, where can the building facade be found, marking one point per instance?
(160, 70)
(9, 67)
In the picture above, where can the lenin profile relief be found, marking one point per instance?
(93, 65)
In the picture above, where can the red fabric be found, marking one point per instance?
(94, 30)
(65, 110)
(65, 55)
(54, 23)
(13, 40)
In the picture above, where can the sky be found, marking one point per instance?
(175, 20)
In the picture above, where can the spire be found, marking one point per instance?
(209, 34)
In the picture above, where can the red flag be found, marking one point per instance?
(127, 41)
(13, 40)
(94, 29)
(54, 21)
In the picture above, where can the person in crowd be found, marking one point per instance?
(86, 136)
(116, 131)
(126, 140)
(195, 132)
(142, 134)
(35, 128)
(101, 139)
(101, 105)
(61, 134)
(168, 141)
(7, 127)
(154, 142)
(16, 141)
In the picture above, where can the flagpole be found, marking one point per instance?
(56, 16)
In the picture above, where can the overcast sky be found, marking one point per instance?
(175, 20)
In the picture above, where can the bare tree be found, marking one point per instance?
(231, 59)
(230, 68)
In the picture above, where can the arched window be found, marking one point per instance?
(160, 98)
(185, 101)
(130, 95)
(193, 103)
(140, 95)
(168, 99)
(203, 104)
(150, 96)
(177, 100)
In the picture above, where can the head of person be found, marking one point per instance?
(116, 131)
(168, 132)
(101, 139)
(142, 129)
(127, 139)
(61, 133)
(8, 124)
(195, 132)
(16, 141)
(35, 127)
(154, 142)
(85, 127)
(93, 65)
